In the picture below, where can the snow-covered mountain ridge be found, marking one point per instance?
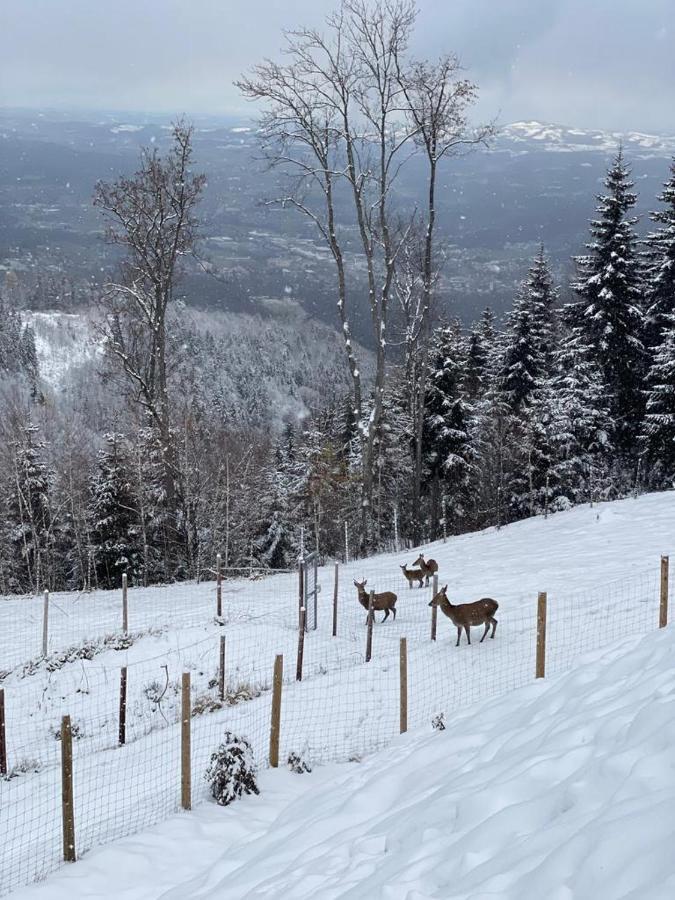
(565, 139)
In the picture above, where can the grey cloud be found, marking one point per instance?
(604, 63)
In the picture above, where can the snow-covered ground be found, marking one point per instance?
(563, 789)
(599, 567)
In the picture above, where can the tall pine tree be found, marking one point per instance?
(608, 315)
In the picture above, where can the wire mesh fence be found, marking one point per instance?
(126, 705)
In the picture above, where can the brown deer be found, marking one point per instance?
(466, 614)
(413, 575)
(385, 601)
(429, 567)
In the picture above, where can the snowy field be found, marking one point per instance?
(599, 566)
(564, 789)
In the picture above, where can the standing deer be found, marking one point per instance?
(385, 601)
(466, 614)
(413, 575)
(428, 567)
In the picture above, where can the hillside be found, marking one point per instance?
(600, 568)
(562, 789)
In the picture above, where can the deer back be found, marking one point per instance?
(476, 613)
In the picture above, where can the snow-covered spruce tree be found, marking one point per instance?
(275, 545)
(114, 515)
(30, 514)
(232, 770)
(608, 315)
(528, 350)
(447, 443)
(659, 425)
(660, 266)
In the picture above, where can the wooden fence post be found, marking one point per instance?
(221, 670)
(663, 607)
(185, 751)
(67, 806)
(369, 634)
(3, 735)
(301, 588)
(541, 636)
(219, 587)
(275, 725)
(125, 604)
(434, 610)
(335, 600)
(123, 706)
(45, 624)
(301, 644)
(403, 664)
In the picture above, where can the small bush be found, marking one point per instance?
(298, 763)
(232, 770)
(75, 730)
(438, 722)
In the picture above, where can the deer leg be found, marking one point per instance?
(386, 615)
(393, 609)
(459, 634)
(494, 627)
(468, 633)
(487, 628)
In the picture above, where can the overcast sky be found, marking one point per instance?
(593, 63)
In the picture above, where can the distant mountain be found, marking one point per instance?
(537, 183)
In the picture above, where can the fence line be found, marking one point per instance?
(342, 708)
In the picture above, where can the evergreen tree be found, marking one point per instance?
(446, 438)
(607, 315)
(660, 416)
(114, 515)
(660, 266)
(30, 515)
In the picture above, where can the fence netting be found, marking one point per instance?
(342, 708)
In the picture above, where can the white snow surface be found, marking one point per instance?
(563, 789)
(537, 762)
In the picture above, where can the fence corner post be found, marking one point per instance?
(275, 724)
(663, 605)
(434, 610)
(221, 670)
(540, 670)
(67, 806)
(301, 643)
(369, 623)
(122, 735)
(335, 599)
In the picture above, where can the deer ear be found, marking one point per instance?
(365, 582)
(445, 589)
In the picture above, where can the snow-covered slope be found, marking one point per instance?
(564, 789)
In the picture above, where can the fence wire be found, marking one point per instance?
(342, 709)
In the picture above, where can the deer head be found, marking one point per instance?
(440, 596)
(419, 561)
(360, 585)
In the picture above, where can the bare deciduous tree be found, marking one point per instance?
(152, 216)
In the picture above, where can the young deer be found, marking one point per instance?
(466, 614)
(385, 601)
(413, 575)
(429, 567)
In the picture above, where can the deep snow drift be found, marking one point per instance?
(563, 789)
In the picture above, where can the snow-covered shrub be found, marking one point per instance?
(75, 730)
(232, 770)
(298, 763)
(438, 722)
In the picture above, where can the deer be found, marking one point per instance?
(413, 575)
(385, 601)
(428, 567)
(464, 615)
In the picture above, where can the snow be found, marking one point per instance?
(600, 567)
(564, 789)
